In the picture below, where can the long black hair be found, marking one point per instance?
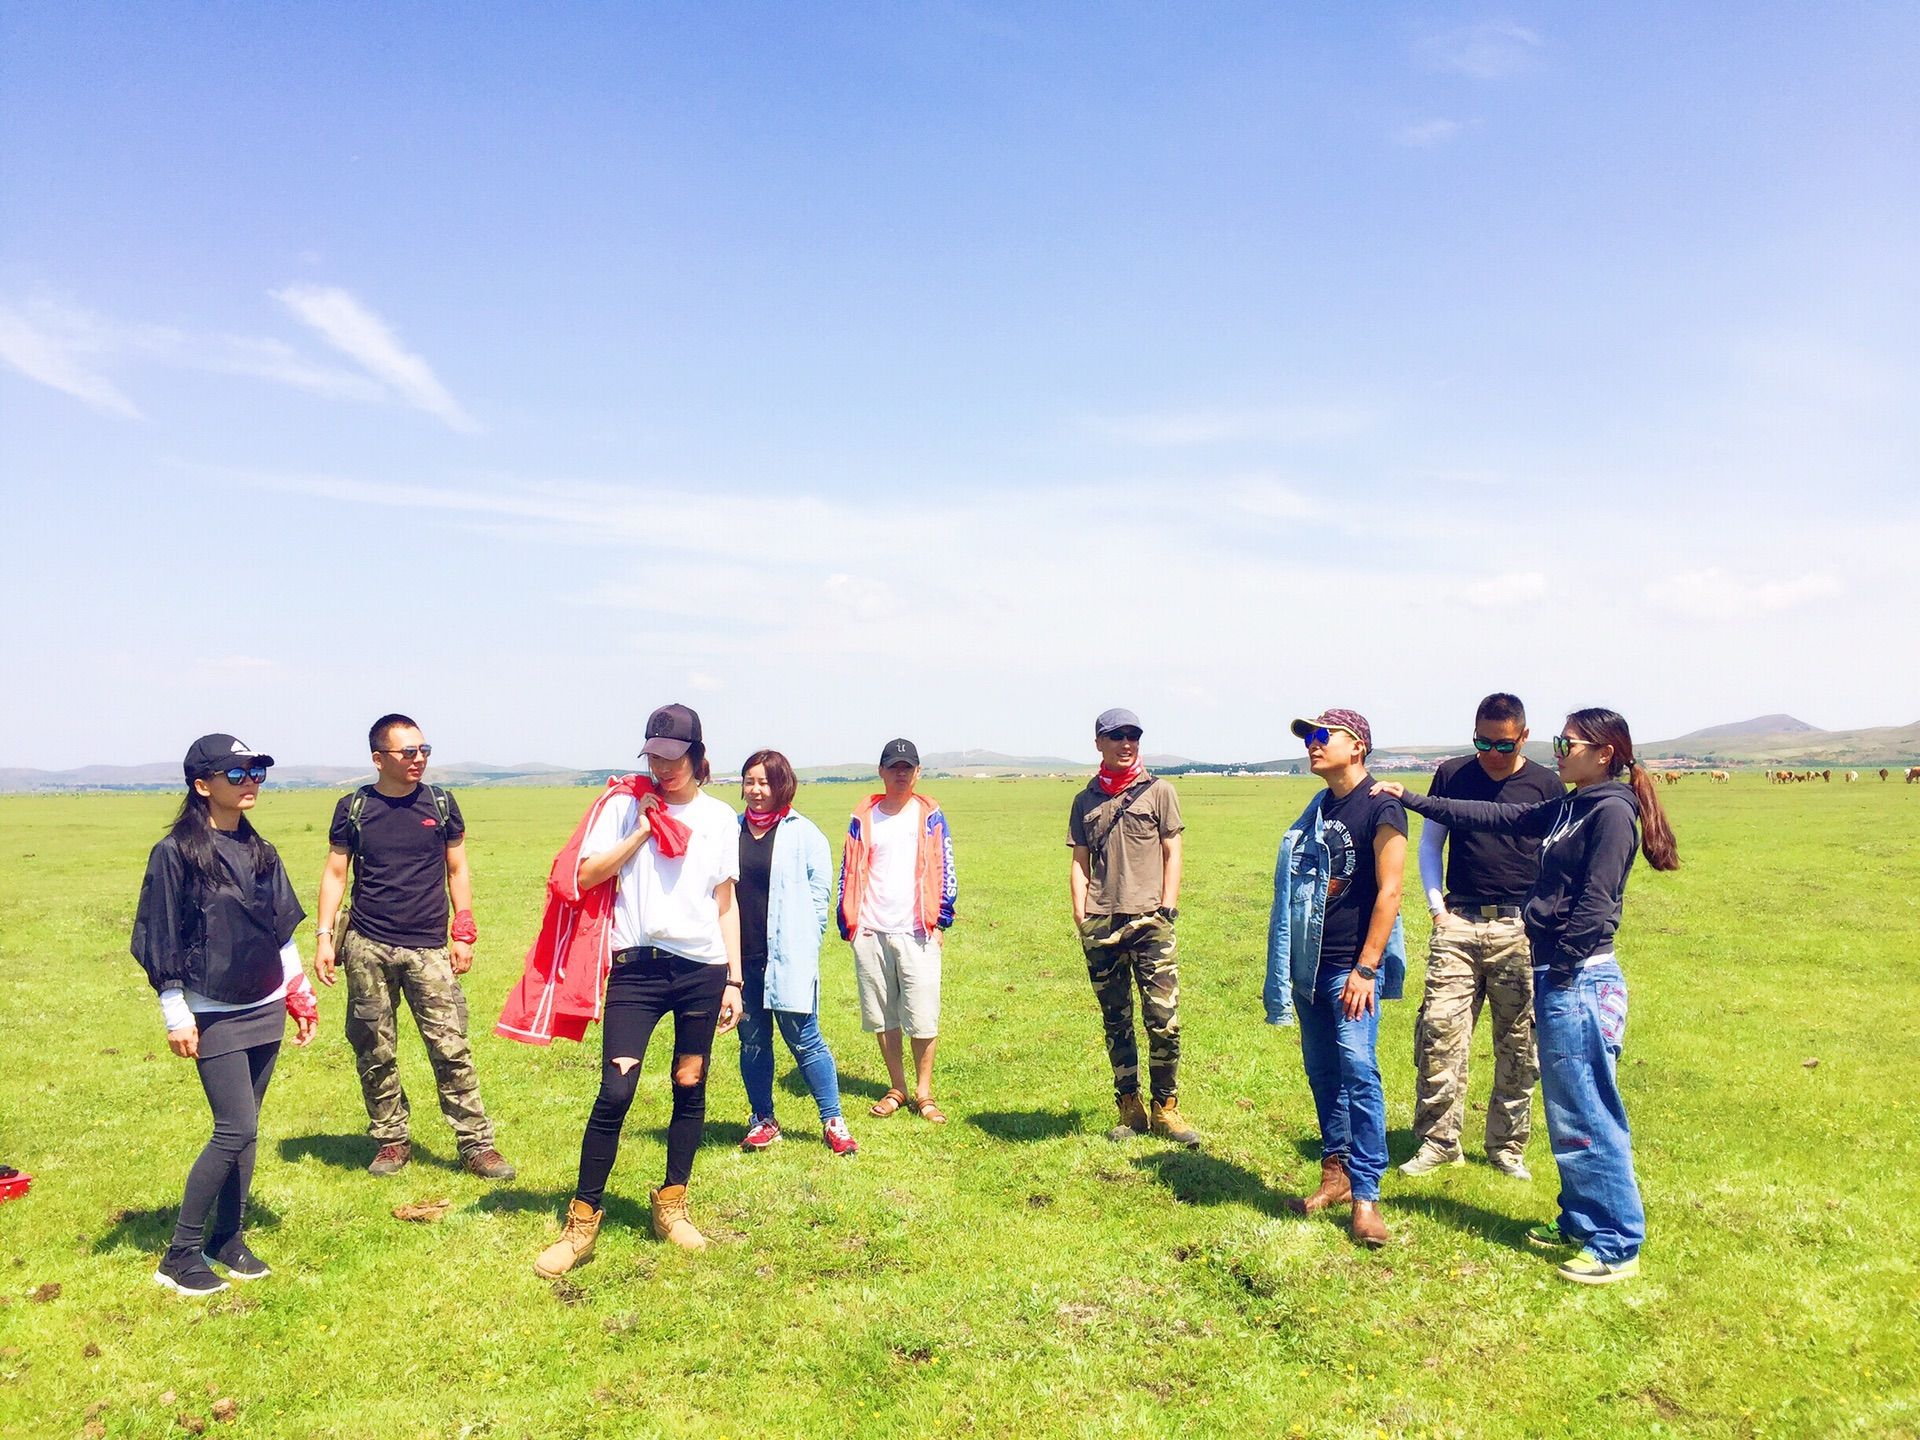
(192, 833)
(1609, 727)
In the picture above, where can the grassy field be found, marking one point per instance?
(1013, 1273)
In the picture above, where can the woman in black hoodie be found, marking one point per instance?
(1588, 839)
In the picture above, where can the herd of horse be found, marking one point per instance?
(1785, 777)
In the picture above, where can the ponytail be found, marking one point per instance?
(1609, 728)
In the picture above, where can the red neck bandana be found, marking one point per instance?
(669, 836)
(1112, 782)
(767, 819)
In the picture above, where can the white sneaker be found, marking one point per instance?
(1431, 1156)
(1511, 1166)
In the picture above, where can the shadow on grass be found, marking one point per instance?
(1400, 1146)
(153, 1229)
(716, 1132)
(351, 1152)
(1019, 1126)
(1197, 1178)
(512, 1200)
(1489, 1225)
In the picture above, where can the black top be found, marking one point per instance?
(222, 942)
(399, 866)
(750, 894)
(1482, 867)
(1353, 873)
(1588, 839)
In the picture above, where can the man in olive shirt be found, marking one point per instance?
(1125, 884)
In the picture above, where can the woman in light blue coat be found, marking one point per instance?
(784, 895)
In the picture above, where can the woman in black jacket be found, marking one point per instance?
(214, 933)
(1588, 839)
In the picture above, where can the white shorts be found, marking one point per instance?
(899, 979)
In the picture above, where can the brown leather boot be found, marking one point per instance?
(670, 1220)
(1168, 1121)
(1335, 1189)
(1133, 1119)
(1368, 1228)
(575, 1243)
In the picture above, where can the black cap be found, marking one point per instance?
(671, 731)
(899, 752)
(211, 754)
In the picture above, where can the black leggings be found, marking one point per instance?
(235, 1083)
(639, 993)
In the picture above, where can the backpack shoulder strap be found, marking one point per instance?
(442, 806)
(356, 807)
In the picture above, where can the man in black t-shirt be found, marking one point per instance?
(1480, 954)
(405, 844)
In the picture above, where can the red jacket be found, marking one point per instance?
(565, 980)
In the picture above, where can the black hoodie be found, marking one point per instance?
(1588, 840)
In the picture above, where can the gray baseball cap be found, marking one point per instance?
(1116, 719)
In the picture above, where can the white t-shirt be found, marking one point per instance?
(666, 903)
(893, 848)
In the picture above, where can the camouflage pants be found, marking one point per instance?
(378, 976)
(1144, 957)
(1476, 962)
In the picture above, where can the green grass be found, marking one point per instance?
(1014, 1273)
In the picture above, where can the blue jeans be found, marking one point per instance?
(1580, 1020)
(1345, 1079)
(803, 1037)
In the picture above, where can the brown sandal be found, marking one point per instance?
(888, 1103)
(930, 1112)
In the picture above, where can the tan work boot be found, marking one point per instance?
(575, 1243)
(1133, 1119)
(1335, 1189)
(670, 1220)
(1368, 1228)
(1168, 1121)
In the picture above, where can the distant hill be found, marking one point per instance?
(1768, 725)
(1802, 745)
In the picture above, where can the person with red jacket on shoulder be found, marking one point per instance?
(897, 893)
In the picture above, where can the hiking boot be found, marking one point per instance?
(1584, 1269)
(1512, 1166)
(1168, 1121)
(391, 1158)
(1368, 1228)
(670, 1220)
(489, 1164)
(1431, 1156)
(761, 1133)
(839, 1139)
(1547, 1237)
(241, 1263)
(1335, 1189)
(1133, 1118)
(575, 1244)
(184, 1271)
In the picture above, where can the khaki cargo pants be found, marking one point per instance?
(1476, 962)
(378, 976)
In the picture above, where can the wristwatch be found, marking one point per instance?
(1366, 972)
(1169, 913)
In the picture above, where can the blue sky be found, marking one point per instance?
(950, 370)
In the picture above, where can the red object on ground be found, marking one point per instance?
(13, 1183)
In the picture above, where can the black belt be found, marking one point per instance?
(643, 952)
(1474, 910)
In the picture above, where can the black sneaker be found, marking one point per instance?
(184, 1271)
(241, 1263)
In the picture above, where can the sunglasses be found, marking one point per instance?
(1505, 747)
(240, 774)
(411, 752)
(1128, 734)
(1563, 744)
(1323, 734)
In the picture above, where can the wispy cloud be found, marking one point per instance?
(1499, 592)
(1274, 425)
(1488, 51)
(1431, 134)
(43, 357)
(345, 323)
(1714, 594)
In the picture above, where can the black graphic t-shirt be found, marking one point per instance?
(399, 866)
(1354, 877)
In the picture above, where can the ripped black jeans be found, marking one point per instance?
(639, 993)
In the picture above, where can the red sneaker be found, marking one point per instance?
(839, 1139)
(761, 1133)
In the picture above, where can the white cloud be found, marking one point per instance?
(1713, 594)
(45, 358)
(702, 682)
(1430, 134)
(1273, 425)
(1489, 51)
(1498, 592)
(354, 330)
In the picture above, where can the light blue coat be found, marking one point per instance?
(799, 902)
(1299, 919)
